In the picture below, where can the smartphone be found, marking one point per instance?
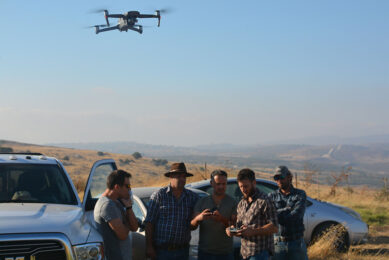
(234, 230)
(213, 209)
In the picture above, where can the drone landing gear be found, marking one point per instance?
(139, 30)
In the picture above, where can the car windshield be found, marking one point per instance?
(42, 183)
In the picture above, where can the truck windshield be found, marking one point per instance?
(42, 183)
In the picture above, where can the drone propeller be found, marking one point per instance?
(96, 11)
(165, 10)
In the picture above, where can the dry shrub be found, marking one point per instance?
(79, 183)
(326, 246)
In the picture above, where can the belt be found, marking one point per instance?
(286, 239)
(172, 247)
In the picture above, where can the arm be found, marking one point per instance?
(150, 251)
(121, 230)
(198, 217)
(131, 221)
(151, 218)
(288, 215)
(219, 218)
(269, 212)
(265, 230)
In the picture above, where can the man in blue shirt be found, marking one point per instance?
(290, 206)
(168, 217)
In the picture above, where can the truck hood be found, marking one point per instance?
(17, 218)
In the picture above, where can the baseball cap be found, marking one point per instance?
(281, 172)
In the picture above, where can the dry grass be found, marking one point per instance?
(325, 248)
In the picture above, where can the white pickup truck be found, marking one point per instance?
(41, 215)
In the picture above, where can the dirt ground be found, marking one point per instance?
(378, 243)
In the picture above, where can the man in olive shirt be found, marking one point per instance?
(214, 213)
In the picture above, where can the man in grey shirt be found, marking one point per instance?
(114, 216)
(214, 213)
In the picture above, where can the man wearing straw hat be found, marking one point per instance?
(168, 217)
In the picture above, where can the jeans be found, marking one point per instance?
(290, 250)
(207, 256)
(180, 254)
(263, 255)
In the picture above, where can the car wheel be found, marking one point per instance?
(334, 232)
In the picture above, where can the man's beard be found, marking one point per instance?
(251, 192)
(219, 192)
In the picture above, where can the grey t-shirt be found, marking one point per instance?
(213, 237)
(114, 248)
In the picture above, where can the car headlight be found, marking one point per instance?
(90, 251)
(351, 213)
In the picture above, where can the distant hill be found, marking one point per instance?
(369, 162)
(146, 171)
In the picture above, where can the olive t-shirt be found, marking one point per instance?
(213, 237)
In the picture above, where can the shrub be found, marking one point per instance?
(125, 162)
(137, 155)
(6, 149)
(159, 162)
(99, 153)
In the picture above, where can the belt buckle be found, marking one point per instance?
(281, 239)
(171, 247)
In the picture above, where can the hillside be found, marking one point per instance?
(145, 171)
(369, 161)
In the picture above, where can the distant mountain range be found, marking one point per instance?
(369, 160)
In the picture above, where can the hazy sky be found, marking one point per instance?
(216, 71)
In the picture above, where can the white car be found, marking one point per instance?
(319, 215)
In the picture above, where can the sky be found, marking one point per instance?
(219, 71)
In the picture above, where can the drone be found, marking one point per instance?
(127, 21)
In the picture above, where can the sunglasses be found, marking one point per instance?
(279, 177)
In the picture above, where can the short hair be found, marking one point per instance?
(216, 173)
(246, 174)
(117, 177)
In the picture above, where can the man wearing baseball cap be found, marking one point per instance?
(290, 205)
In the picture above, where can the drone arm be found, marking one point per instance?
(115, 15)
(147, 16)
(157, 15)
(108, 29)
